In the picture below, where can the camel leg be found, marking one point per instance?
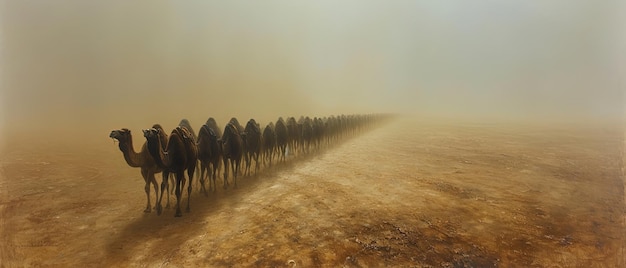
(156, 186)
(179, 180)
(225, 173)
(219, 169)
(235, 167)
(249, 163)
(164, 189)
(264, 158)
(284, 155)
(250, 158)
(144, 174)
(172, 182)
(209, 170)
(204, 166)
(216, 170)
(190, 173)
(246, 164)
(256, 163)
(283, 150)
(213, 177)
(197, 167)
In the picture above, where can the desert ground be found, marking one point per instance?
(408, 193)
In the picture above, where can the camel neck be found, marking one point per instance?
(132, 158)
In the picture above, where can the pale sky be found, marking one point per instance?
(149, 60)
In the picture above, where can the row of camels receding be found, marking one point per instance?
(181, 151)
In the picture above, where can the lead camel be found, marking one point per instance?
(141, 159)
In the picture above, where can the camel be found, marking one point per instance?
(307, 134)
(212, 124)
(163, 138)
(269, 144)
(142, 160)
(252, 140)
(300, 137)
(293, 134)
(180, 154)
(209, 154)
(282, 138)
(185, 123)
(235, 122)
(332, 129)
(318, 132)
(232, 151)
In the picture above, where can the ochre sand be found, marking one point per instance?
(409, 193)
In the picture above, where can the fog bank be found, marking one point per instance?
(125, 63)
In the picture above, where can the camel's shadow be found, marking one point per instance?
(164, 234)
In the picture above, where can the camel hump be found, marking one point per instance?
(231, 129)
(185, 123)
(208, 130)
(211, 121)
(180, 132)
(186, 134)
(252, 126)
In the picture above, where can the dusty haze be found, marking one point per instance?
(132, 64)
(530, 173)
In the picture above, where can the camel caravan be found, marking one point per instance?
(241, 150)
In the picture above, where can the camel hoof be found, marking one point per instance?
(188, 210)
(147, 210)
(159, 210)
(178, 214)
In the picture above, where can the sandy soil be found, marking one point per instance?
(410, 193)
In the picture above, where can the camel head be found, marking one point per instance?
(121, 135)
(152, 133)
